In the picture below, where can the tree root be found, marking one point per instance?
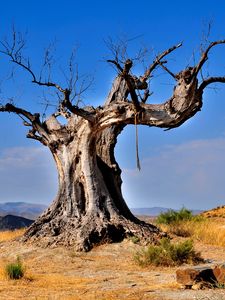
(93, 232)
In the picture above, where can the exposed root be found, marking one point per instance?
(83, 236)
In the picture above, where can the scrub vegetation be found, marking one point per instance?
(168, 254)
(208, 227)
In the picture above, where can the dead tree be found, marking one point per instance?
(89, 208)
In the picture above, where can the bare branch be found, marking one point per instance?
(33, 121)
(81, 112)
(48, 61)
(157, 61)
(31, 135)
(79, 85)
(10, 108)
(145, 96)
(14, 52)
(166, 69)
(204, 56)
(119, 49)
(210, 80)
(207, 26)
(66, 103)
(116, 64)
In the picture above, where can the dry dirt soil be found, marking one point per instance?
(107, 272)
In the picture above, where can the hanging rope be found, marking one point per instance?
(136, 137)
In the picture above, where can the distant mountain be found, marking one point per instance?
(155, 211)
(22, 209)
(10, 222)
(32, 211)
(149, 211)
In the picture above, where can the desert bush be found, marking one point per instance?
(172, 216)
(179, 222)
(15, 270)
(168, 254)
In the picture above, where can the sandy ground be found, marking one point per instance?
(107, 272)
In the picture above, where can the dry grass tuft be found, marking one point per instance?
(209, 232)
(9, 235)
(15, 270)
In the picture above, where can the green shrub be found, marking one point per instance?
(15, 270)
(168, 254)
(172, 216)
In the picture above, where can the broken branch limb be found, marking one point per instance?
(124, 72)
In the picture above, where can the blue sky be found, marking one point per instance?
(184, 166)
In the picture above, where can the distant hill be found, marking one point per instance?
(148, 211)
(10, 222)
(22, 209)
(218, 212)
(155, 211)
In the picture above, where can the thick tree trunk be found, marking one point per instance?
(89, 208)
